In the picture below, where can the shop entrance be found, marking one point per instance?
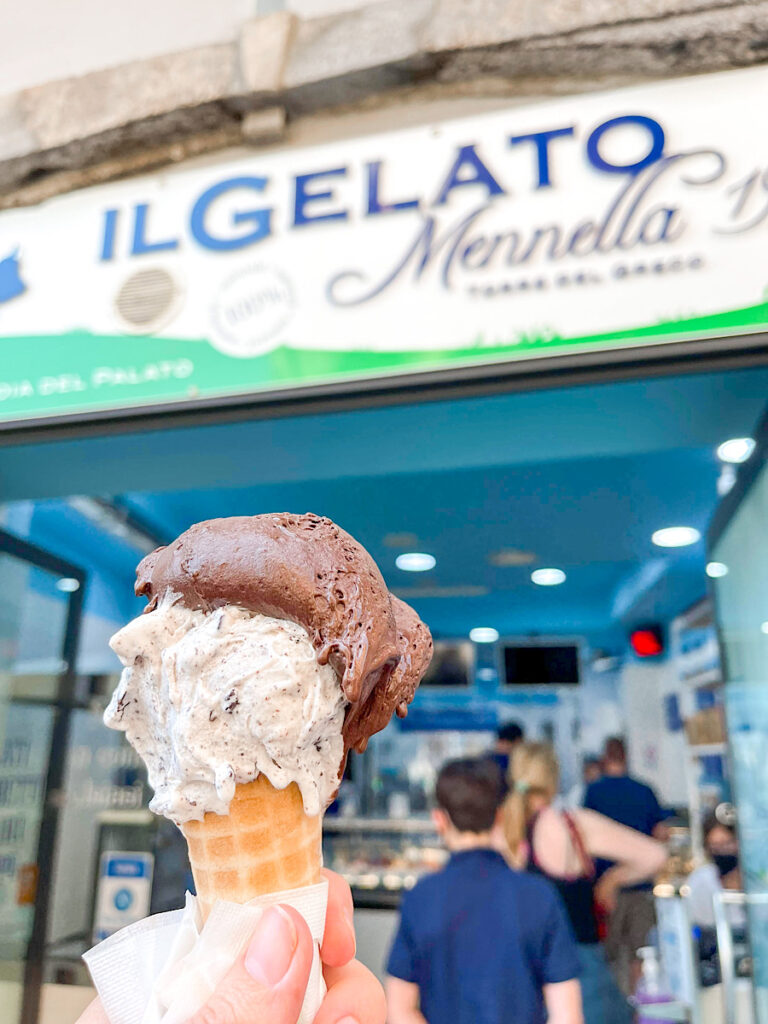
(40, 612)
(497, 490)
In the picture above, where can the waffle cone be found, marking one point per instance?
(265, 844)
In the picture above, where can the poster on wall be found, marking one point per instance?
(586, 224)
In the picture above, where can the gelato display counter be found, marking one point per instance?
(380, 857)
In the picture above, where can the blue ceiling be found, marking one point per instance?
(579, 477)
(591, 517)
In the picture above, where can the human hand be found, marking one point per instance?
(268, 982)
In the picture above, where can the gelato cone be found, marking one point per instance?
(265, 844)
(269, 649)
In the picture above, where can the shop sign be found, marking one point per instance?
(585, 224)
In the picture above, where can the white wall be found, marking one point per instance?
(42, 41)
(601, 712)
(656, 755)
(317, 8)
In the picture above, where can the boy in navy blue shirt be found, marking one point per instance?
(479, 943)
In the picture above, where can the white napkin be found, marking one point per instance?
(163, 969)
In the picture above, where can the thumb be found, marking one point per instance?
(268, 982)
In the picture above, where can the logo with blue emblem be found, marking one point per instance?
(11, 284)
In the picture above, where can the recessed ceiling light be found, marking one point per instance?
(716, 569)
(548, 577)
(737, 450)
(68, 584)
(764, 627)
(507, 558)
(676, 536)
(484, 635)
(415, 561)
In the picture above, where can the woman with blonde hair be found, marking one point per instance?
(561, 846)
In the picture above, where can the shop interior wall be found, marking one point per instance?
(656, 755)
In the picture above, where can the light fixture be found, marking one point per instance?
(764, 627)
(737, 450)
(415, 561)
(676, 536)
(484, 635)
(548, 577)
(68, 584)
(716, 569)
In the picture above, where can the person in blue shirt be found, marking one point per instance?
(477, 942)
(634, 804)
(624, 799)
(508, 736)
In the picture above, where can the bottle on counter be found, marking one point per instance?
(650, 988)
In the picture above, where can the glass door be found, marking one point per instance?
(741, 545)
(40, 606)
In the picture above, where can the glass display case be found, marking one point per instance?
(380, 857)
(379, 834)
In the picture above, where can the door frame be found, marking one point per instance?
(62, 706)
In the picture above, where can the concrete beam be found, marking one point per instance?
(122, 120)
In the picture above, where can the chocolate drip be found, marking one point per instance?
(395, 693)
(307, 569)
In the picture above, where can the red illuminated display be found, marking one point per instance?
(647, 643)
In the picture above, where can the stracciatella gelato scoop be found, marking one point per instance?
(211, 699)
(270, 646)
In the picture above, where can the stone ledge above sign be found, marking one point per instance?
(66, 134)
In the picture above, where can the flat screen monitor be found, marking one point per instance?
(533, 665)
(451, 665)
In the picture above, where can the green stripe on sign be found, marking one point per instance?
(81, 372)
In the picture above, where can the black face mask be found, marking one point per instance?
(725, 863)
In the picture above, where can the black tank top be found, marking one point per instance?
(577, 894)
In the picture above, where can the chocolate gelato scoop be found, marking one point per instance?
(306, 569)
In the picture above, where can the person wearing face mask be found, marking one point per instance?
(721, 871)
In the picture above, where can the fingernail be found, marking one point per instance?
(272, 947)
(347, 1020)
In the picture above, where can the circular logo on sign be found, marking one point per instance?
(250, 310)
(123, 899)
